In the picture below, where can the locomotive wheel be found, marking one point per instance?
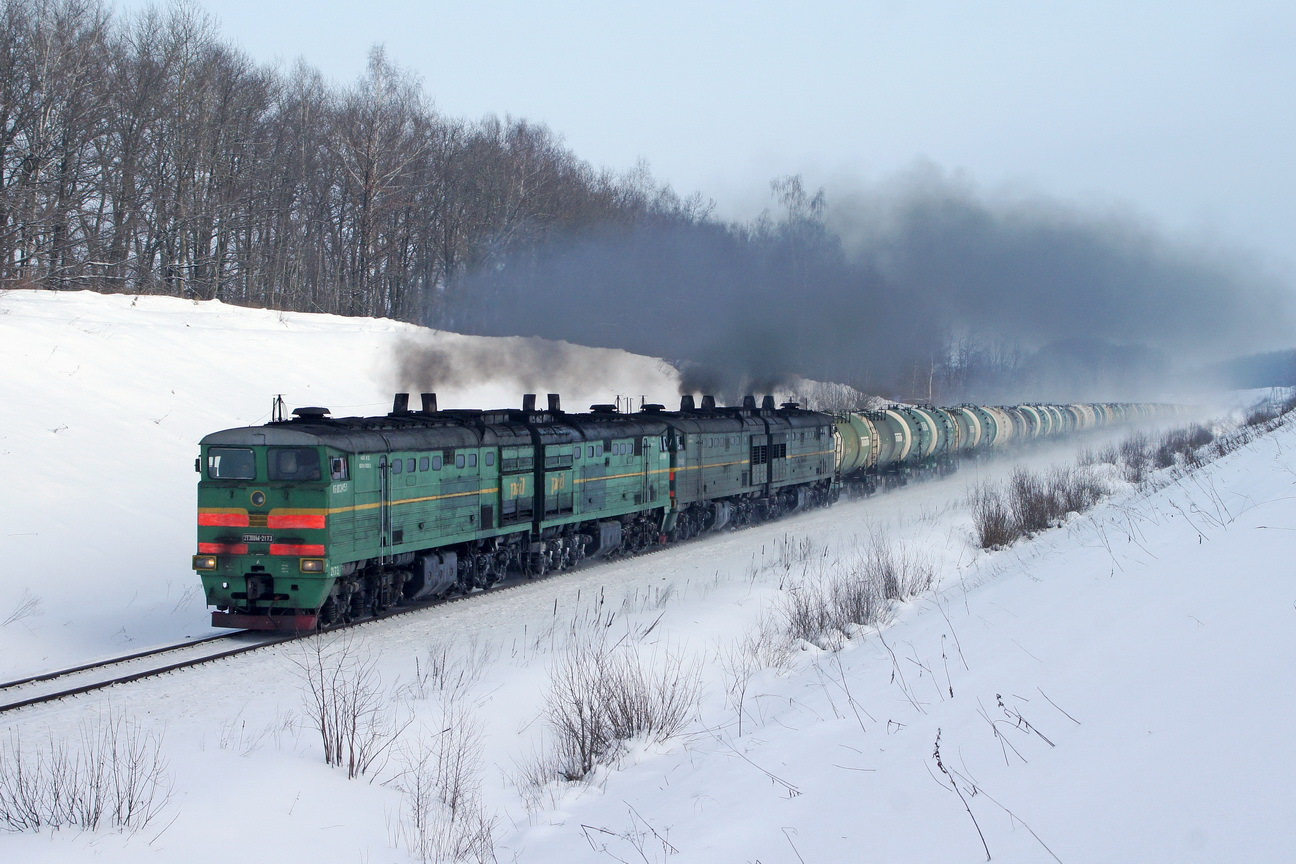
(328, 615)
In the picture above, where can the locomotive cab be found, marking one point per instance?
(263, 513)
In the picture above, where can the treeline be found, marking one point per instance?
(1269, 369)
(143, 154)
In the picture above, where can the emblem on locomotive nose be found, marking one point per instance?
(258, 499)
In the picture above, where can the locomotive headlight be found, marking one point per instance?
(204, 562)
(312, 565)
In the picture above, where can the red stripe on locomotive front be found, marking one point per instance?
(223, 520)
(297, 520)
(303, 549)
(222, 548)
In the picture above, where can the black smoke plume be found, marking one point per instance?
(924, 289)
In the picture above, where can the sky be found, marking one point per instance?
(1179, 114)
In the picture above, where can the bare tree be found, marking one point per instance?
(145, 154)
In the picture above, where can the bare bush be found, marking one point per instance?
(1261, 415)
(1073, 491)
(856, 597)
(1182, 446)
(807, 615)
(600, 697)
(357, 718)
(1030, 503)
(442, 816)
(899, 572)
(1136, 457)
(1089, 456)
(826, 606)
(992, 518)
(113, 775)
(29, 605)
(1287, 402)
(450, 668)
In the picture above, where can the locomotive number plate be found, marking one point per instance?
(258, 538)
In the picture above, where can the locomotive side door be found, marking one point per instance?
(760, 449)
(384, 508)
(642, 458)
(778, 463)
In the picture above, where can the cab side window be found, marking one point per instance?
(338, 468)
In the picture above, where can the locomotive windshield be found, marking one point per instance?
(294, 463)
(230, 463)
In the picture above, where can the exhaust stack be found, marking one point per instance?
(429, 402)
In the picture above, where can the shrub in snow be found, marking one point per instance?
(442, 817)
(1182, 446)
(992, 518)
(600, 697)
(114, 775)
(835, 598)
(357, 718)
(1136, 457)
(1031, 502)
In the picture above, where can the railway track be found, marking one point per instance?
(62, 683)
(52, 686)
(59, 684)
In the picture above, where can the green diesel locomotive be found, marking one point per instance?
(316, 520)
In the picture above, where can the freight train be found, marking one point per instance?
(317, 521)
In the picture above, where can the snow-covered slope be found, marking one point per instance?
(106, 397)
(1114, 690)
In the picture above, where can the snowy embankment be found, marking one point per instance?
(1112, 690)
(106, 397)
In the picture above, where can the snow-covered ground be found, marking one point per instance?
(106, 397)
(1114, 690)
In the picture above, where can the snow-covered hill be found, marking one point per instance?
(106, 397)
(1114, 690)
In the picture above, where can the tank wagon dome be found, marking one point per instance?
(940, 434)
(926, 435)
(1063, 420)
(1043, 418)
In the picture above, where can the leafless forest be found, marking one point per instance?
(143, 154)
